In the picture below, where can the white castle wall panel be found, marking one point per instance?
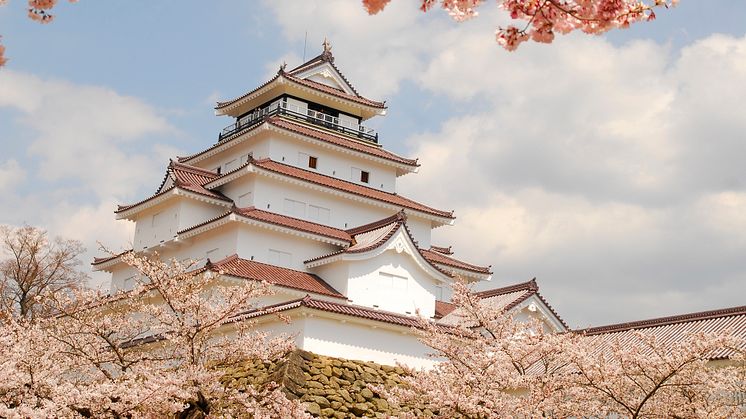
(358, 341)
(332, 163)
(264, 245)
(270, 194)
(393, 282)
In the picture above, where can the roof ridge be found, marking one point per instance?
(189, 168)
(398, 217)
(522, 286)
(449, 257)
(242, 212)
(442, 249)
(666, 320)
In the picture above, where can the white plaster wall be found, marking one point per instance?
(336, 274)
(255, 242)
(149, 232)
(193, 212)
(175, 214)
(122, 278)
(421, 230)
(332, 162)
(237, 190)
(357, 341)
(346, 213)
(393, 282)
(257, 145)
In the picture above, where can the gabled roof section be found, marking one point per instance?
(289, 278)
(280, 220)
(349, 187)
(183, 177)
(325, 59)
(374, 236)
(442, 259)
(507, 298)
(282, 76)
(321, 67)
(673, 329)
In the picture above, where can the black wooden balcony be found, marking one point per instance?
(307, 115)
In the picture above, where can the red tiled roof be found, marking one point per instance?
(442, 250)
(337, 308)
(672, 329)
(506, 298)
(437, 257)
(349, 187)
(280, 220)
(98, 261)
(249, 269)
(336, 92)
(443, 308)
(324, 57)
(294, 223)
(340, 140)
(185, 177)
(311, 84)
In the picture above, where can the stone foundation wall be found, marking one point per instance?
(328, 387)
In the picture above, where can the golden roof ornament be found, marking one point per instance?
(327, 54)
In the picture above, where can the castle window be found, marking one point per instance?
(308, 160)
(359, 175)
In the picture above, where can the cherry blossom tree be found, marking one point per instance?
(494, 366)
(542, 19)
(38, 11)
(32, 265)
(157, 350)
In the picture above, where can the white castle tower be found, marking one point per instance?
(299, 193)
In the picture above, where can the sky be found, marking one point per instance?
(611, 168)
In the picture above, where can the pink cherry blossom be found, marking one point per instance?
(541, 19)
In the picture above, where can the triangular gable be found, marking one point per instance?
(325, 73)
(378, 238)
(517, 299)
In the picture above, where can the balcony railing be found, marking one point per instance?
(308, 115)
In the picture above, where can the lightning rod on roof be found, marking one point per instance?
(305, 41)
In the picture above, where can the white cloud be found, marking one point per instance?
(89, 148)
(11, 175)
(612, 173)
(86, 134)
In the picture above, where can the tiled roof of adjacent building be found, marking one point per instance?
(672, 329)
(353, 188)
(507, 298)
(249, 269)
